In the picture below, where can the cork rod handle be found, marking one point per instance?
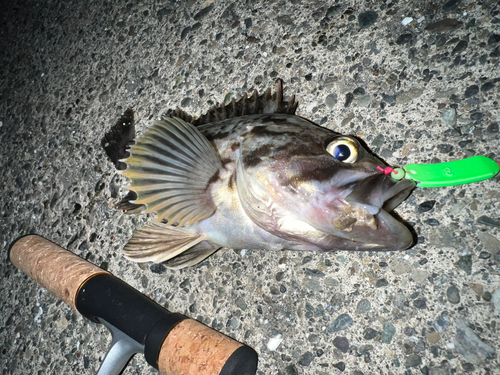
(212, 348)
(56, 269)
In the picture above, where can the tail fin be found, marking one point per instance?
(119, 138)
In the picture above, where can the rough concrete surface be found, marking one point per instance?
(68, 71)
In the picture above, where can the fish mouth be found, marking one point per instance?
(395, 195)
(366, 218)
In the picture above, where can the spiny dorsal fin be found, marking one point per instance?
(253, 105)
(171, 167)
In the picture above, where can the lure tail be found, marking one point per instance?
(458, 172)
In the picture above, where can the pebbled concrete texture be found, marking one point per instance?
(70, 69)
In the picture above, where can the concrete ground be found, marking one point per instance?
(413, 90)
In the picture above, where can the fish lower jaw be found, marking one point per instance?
(356, 215)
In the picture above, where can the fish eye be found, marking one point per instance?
(343, 149)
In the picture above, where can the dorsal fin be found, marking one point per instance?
(255, 104)
(171, 167)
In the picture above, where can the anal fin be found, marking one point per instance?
(192, 256)
(158, 243)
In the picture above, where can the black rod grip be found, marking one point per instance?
(106, 296)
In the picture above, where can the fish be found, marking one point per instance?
(252, 174)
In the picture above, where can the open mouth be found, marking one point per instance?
(363, 212)
(376, 196)
(367, 217)
(395, 195)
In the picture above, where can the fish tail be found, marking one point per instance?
(117, 141)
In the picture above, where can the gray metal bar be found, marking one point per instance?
(122, 348)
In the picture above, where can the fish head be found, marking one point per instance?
(326, 182)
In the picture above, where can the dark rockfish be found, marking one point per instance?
(253, 175)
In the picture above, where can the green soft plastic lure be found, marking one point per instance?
(458, 172)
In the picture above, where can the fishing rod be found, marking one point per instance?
(171, 342)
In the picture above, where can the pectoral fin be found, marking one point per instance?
(171, 167)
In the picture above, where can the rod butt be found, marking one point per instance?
(243, 361)
(193, 348)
